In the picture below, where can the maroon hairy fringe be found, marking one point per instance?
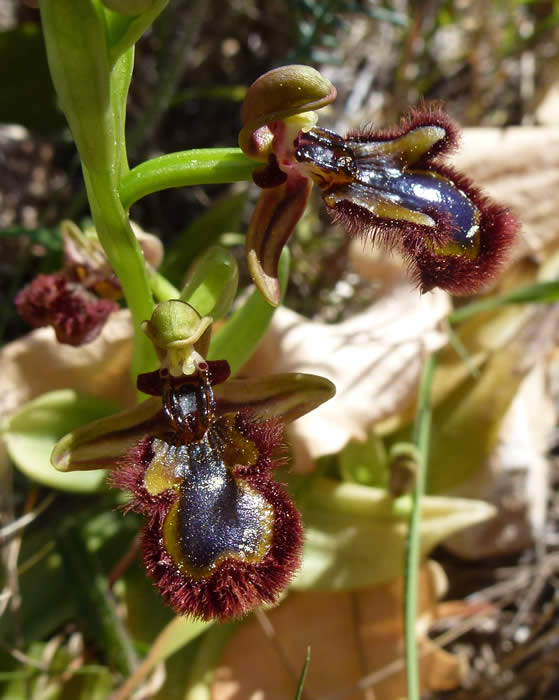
(457, 274)
(234, 587)
(462, 275)
(268, 438)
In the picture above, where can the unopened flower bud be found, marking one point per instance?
(180, 336)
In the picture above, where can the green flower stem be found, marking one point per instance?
(78, 57)
(421, 434)
(124, 254)
(204, 166)
(93, 96)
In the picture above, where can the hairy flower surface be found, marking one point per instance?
(76, 314)
(77, 300)
(222, 536)
(391, 186)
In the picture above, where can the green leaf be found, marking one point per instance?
(90, 589)
(179, 632)
(365, 462)
(88, 683)
(223, 216)
(355, 536)
(177, 671)
(146, 614)
(540, 292)
(174, 636)
(124, 30)
(208, 653)
(239, 337)
(213, 283)
(32, 433)
(467, 417)
(48, 602)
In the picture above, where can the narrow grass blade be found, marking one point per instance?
(541, 292)
(421, 439)
(300, 685)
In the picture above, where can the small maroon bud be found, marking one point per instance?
(76, 314)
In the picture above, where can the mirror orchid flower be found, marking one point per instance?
(392, 186)
(222, 536)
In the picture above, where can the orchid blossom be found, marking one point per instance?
(392, 186)
(222, 536)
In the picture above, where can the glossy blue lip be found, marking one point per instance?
(366, 175)
(216, 516)
(428, 193)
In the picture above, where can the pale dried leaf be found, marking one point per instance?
(514, 478)
(374, 359)
(518, 167)
(37, 363)
(548, 110)
(350, 635)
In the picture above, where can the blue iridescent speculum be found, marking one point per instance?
(214, 516)
(395, 186)
(386, 179)
(226, 536)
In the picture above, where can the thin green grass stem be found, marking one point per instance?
(541, 292)
(421, 434)
(462, 352)
(301, 683)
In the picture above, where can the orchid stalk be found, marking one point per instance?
(198, 457)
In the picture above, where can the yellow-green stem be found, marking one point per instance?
(122, 248)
